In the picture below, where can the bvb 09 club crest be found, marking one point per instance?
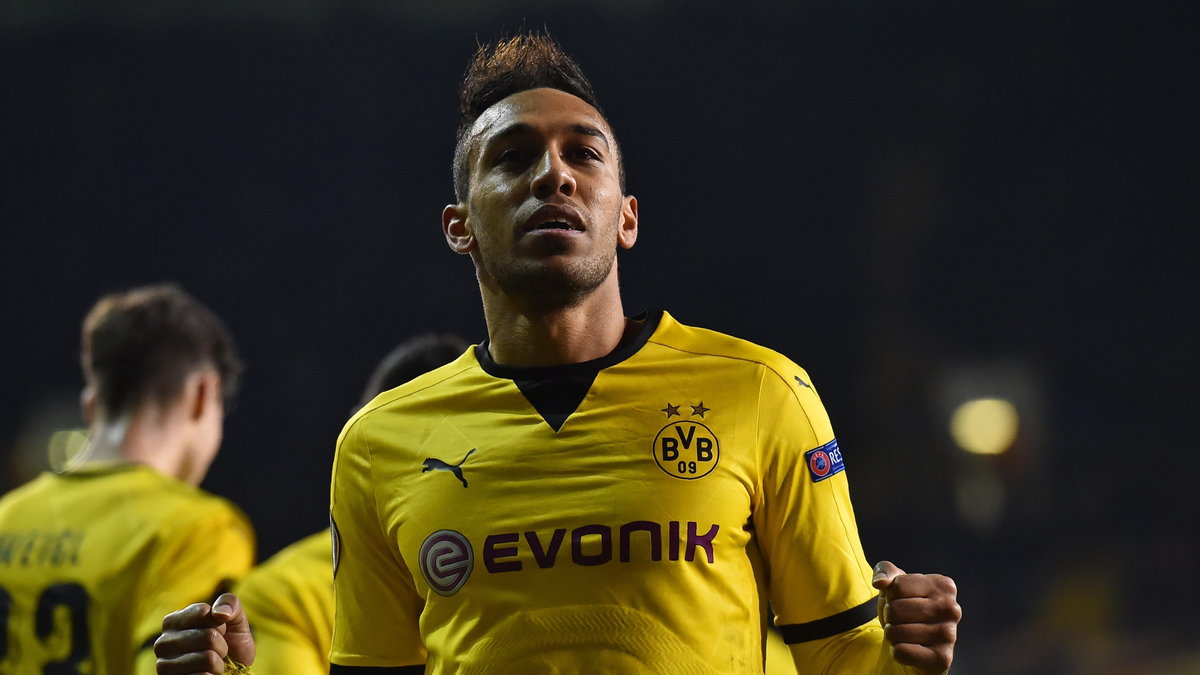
(686, 449)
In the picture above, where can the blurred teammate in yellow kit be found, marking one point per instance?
(93, 556)
(289, 598)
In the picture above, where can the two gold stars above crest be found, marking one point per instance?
(698, 410)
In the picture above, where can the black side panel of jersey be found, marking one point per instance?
(335, 669)
(830, 625)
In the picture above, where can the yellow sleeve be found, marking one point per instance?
(803, 520)
(203, 549)
(289, 601)
(819, 582)
(376, 604)
(860, 651)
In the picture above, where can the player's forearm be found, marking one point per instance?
(861, 651)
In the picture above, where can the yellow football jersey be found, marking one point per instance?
(91, 561)
(289, 600)
(636, 513)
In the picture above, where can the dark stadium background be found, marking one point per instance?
(919, 202)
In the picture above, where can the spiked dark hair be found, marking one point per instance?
(505, 67)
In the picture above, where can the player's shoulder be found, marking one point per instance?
(153, 485)
(125, 497)
(206, 505)
(19, 497)
(25, 490)
(124, 481)
(704, 342)
(199, 515)
(440, 380)
(174, 502)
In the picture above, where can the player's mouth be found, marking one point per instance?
(554, 218)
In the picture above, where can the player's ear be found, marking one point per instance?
(627, 233)
(457, 231)
(201, 393)
(87, 402)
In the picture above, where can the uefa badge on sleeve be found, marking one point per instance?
(824, 461)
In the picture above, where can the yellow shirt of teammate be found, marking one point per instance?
(91, 561)
(289, 600)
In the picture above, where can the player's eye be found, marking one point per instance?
(584, 152)
(511, 156)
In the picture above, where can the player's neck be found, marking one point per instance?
(148, 436)
(521, 337)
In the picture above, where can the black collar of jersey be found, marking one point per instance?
(650, 324)
(556, 391)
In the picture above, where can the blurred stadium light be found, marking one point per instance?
(995, 412)
(985, 426)
(66, 447)
(48, 438)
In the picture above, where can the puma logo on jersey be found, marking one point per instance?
(435, 464)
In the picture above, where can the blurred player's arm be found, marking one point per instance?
(211, 546)
(284, 650)
(289, 601)
(828, 601)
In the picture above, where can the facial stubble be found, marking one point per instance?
(543, 286)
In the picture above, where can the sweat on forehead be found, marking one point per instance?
(523, 110)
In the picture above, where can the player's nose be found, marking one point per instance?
(550, 175)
